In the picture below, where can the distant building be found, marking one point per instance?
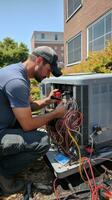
(51, 39)
(87, 27)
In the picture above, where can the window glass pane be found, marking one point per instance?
(76, 4)
(74, 50)
(77, 55)
(90, 34)
(108, 37)
(56, 37)
(98, 29)
(77, 41)
(70, 52)
(98, 44)
(90, 46)
(109, 23)
(42, 35)
(72, 6)
(70, 57)
(100, 33)
(70, 46)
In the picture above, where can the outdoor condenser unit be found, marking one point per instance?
(93, 94)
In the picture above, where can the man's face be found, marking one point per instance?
(42, 71)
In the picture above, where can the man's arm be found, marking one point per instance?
(36, 105)
(27, 122)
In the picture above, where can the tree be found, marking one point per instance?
(12, 52)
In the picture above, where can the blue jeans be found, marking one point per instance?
(18, 149)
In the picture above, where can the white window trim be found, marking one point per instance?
(67, 49)
(87, 53)
(76, 63)
(68, 18)
(92, 28)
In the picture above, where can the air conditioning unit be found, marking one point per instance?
(93, 94)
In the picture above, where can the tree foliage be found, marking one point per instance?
(12, 52)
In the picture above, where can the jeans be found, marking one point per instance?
(18, 149)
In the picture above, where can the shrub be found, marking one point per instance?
(35, 93)
(35, 90)
(97, 62)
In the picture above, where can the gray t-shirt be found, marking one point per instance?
(14, 93)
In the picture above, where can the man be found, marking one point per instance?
(21, 146)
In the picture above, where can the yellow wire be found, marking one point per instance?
(80, 159)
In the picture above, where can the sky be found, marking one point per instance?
(19, 18)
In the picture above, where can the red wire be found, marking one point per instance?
(92, 184)
(55, 190)
(93, 178)
(73, 120)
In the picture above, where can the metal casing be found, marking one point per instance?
(93, 93)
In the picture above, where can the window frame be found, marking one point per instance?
(91, 26)
(77, 62)
(69, 17)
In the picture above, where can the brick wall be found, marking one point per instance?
(90, 11)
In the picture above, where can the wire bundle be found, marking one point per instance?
(92, 184)
(65, 133)
(59, 129)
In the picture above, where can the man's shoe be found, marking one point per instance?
(10, 186)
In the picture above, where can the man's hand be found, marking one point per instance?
(36, 105)
(49, 98)
(60, 110)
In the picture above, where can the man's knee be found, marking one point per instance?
(11, 144)
(45, 143)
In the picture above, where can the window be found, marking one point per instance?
(56, 37)
(74, 50)
(42, 35)
(100, 32)
(73, 6)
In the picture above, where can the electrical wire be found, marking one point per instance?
(59, 132)
(55, 190)
(92, 184)
(80, 159)
(65, 134)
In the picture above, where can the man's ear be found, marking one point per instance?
(39, 60)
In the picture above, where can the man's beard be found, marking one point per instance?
(37, 78)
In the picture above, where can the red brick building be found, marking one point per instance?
(87, 27)
(51, 39)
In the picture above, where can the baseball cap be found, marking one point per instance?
(50, 55)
